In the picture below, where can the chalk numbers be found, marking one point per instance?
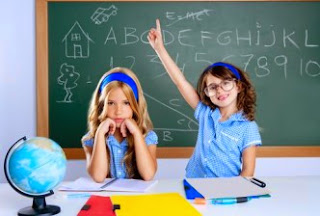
(129, 62)
(262, 65)
(282, 61)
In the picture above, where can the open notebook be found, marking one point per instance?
(109, 184)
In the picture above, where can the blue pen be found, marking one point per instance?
(226, 201)
(260, 196)
(77, 195)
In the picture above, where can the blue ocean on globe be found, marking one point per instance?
(37, 165)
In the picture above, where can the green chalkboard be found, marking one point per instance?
(277, 43)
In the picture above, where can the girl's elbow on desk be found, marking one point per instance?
(247, 173)
(148, 176)
(97, 177)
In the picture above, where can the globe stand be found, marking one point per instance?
(39, 207)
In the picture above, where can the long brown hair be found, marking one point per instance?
(98, 113)
(246, 100)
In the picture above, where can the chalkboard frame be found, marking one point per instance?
(42, 94)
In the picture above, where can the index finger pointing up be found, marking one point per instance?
(158, 25)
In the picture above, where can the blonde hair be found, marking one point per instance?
(98, 113)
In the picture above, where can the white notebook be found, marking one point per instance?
(109, 184)
(212, 188)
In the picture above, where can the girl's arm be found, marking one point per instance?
(249, 161)
(145, 155)
(97, 161)
(185, 88)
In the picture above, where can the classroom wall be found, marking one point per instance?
(17, 73)
(18, 99)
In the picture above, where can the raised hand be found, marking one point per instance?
(155, 37)
(185, 88)
(107, 126)
(129, 125)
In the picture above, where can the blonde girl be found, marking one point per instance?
(120, 142)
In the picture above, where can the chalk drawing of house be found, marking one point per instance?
(77, 42)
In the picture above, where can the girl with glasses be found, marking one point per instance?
(120, 142)
(224, 106)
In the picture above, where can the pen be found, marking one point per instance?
(258, 182)
(226, 201)
(260, 196)
(77, 195)
(108, 183)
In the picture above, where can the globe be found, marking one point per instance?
(34, 167)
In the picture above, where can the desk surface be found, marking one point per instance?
(292, 196)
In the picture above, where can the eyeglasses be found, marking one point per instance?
(225, 85)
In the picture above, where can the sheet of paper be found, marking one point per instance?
(232, 187)
(84, 184)
(130, 185)
(109, 184)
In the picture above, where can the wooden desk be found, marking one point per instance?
(292, 196)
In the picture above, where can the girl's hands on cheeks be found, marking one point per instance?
(107, 126)
(129, 125)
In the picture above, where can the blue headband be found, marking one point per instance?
(230, 67)
(121, 77)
